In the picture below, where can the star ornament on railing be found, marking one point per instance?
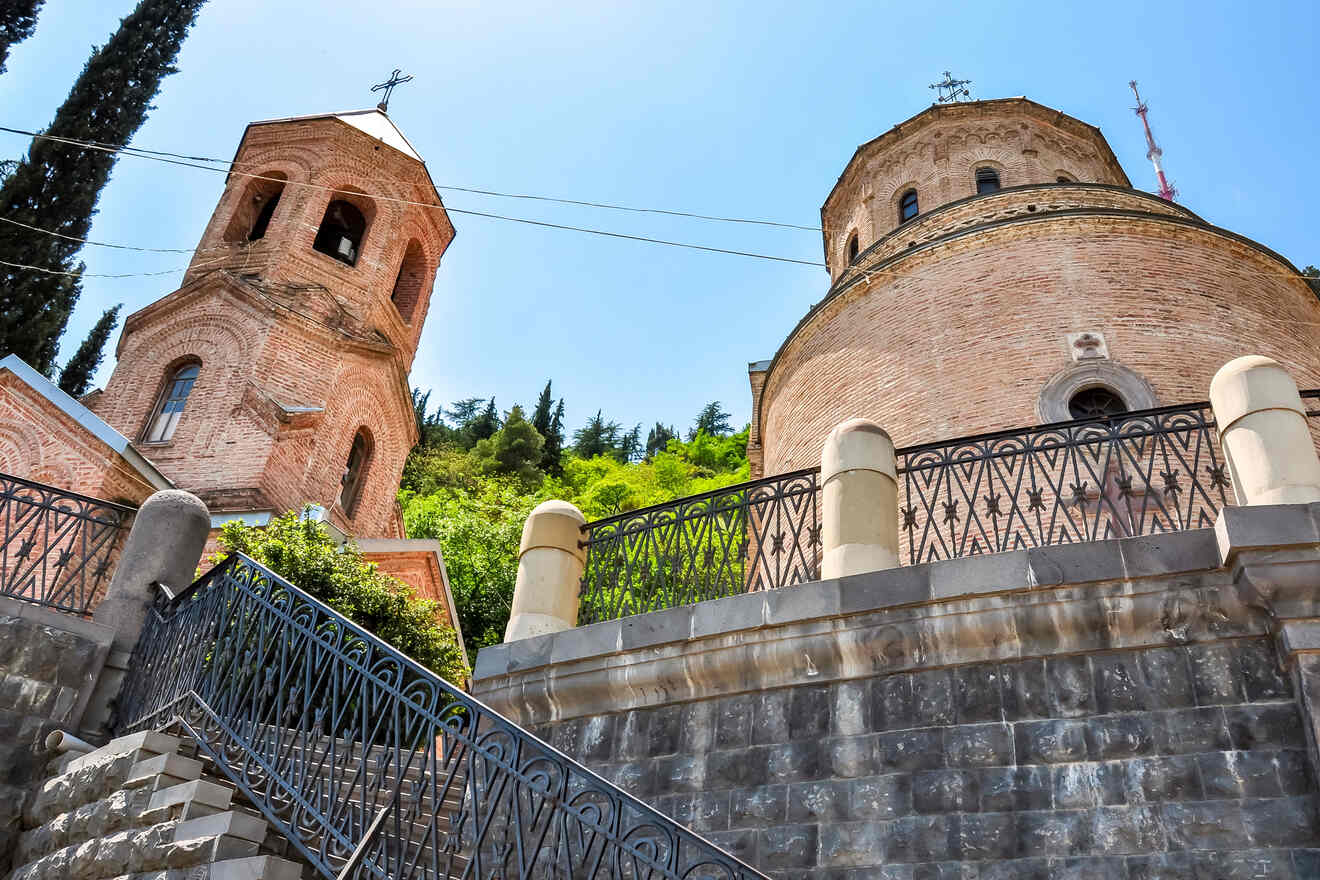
(950, 510)
(1171, 486)
(813, 533)
(1219, 478)
(1079, 493)
(1034, 500)
(1124, 482)
(992, 505)
(909, 518)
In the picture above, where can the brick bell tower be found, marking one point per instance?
(277, 374)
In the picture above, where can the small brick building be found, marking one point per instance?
(276, 376)
(990, 262)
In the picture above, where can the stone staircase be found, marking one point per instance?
(140, 808)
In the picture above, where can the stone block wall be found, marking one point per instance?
(49, 665)
(1169, 761)
(1133, 709)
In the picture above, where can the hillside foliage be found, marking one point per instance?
(471, 488)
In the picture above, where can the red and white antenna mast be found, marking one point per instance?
(1153, 152)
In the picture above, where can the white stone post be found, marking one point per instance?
(550, 563)
(164, 546)
(859, 500)
(1263, 432)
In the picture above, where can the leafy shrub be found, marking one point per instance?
(303, 553)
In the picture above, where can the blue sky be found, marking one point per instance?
(730, 108)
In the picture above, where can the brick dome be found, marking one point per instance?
(985, 311)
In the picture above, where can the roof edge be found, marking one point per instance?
(86, 419)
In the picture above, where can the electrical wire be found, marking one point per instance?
(144, 153)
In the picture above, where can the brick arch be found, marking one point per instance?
(20, 450)
(218, 347)
(364, 407)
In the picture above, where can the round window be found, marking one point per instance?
(1096, 402)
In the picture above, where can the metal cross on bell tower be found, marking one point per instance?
(388, 87)
(952, 90)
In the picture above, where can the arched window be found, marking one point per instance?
(169, 408)
(987, 181)
(907, 206)
(1063, 178)
(1096, 402)
(350, 484)
(341, 232)
(410, 280)
(252, 215)
(852, 248)
(263, 216)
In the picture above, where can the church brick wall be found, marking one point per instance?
(39, 442)
(298, 351)
(959, 336)
(937, 153)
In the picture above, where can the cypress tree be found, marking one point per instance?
(56, 186)
(18, 18)
(553, 451)
(541, 415)
(76, 377)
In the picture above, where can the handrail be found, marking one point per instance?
(323, 726)
(57, 548)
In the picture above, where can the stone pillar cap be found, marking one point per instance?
(555, 524)
(1250, 384)
(857, 444)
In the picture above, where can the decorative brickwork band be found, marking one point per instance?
(1264, 434)
(859, 501)
(550, 564)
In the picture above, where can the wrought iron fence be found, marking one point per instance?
(57, 548)
(371, 764)
(753, 536)
(1142, 472)
(1137, 473)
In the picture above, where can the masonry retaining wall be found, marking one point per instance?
(1108, 710)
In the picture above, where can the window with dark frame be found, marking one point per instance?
(1096, 402)
(987, 181)
(907, 206)
(169, 408)
(852, 248)
(350, 484)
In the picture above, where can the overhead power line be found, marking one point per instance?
(228, 164)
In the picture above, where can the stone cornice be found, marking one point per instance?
(1135, 592)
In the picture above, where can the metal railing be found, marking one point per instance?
(370, 764)
(1138, 473)
(57, 548)
(754, 536)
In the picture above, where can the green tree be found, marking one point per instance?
(76, 377)
(596, 437)
(463, 411)
(56, 186)
(303, 553)
(478, 532)
(658, 439)
(542, 415)
(630, 445)
(18, 19)
(553, 451)
(713, 420)
(482, 426)
(514, 450)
